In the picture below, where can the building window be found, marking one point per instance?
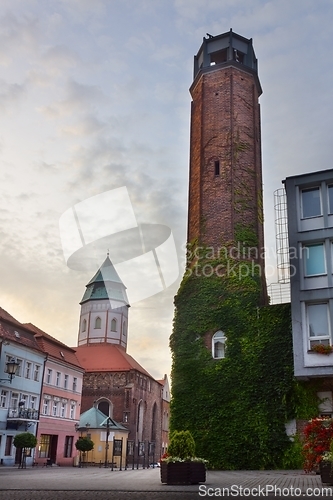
(44, 446)
(311, 203)
(314, 259)
(65, 381)
(84, 325)
(48, 376)
(217, 167)
(36, 373)
(68, 446)
(46, 406)
(63, 410)
(58, 379)
(74, 384)
(14, 400)
(218, 345)
(18, 372)
(27, 372)
(55, 408)
(98, 323)
(114, 325)
(330, 199)
(33, 402)
(124, 329)
(72, 412)
(3, 399)
(318, 324)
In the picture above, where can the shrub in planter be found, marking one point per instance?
(180, 465)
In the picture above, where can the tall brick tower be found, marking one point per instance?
(225, 185)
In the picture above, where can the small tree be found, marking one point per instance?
(25, 440)
(181, 445)
(84, 444)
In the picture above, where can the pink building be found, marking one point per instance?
(60, 401)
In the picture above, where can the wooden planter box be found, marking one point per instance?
(326, 472)
(183, 472)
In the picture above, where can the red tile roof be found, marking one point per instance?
(107, 358)
(54, 347)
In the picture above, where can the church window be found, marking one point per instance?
(124, 328)
(217, 167)
(218, 345)
(114, 325)
(98, 323)
(84, 325)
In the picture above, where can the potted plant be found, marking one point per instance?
(180, 465)
(326, 466)
(25, 441)
(83, 444)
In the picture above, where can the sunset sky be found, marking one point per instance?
(94, 96)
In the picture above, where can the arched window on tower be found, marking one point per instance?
(114, 325)
(124, 328)
(84, 325)
(98, 323)
(218, 345)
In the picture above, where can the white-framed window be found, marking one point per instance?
(58, 376)
(14, 400)
(27, 370)
(36, 373)
(3, 399)
(311, 202)
(318, 324)
(46, 407)
(55, 408)
(49, 376)
(65, 381)
(314, 259)
(72, 412)
(113, 325)
(33, 402)
(98, 323)
(18, 372)
(218, 345)
(63, 409)
(74, 384)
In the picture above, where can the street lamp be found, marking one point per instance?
(11, 367)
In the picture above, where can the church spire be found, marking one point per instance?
(104, 308)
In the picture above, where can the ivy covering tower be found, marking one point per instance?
(232, 372)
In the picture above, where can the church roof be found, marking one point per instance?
(107, 358)
(97, 419)
(105, 284)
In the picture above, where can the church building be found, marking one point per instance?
(114, 381)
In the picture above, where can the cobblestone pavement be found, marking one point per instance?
(60, 483)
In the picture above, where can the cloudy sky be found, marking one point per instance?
(94, 96)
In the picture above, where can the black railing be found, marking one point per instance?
(23, 413)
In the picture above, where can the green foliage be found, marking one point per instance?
(293, 456)
(181, 444)
(25, 440)
(236, 408)
(84, 444)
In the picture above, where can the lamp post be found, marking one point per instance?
(11, 367)
(82, 429)
(107, 441)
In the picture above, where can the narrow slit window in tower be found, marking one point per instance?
(217, 167)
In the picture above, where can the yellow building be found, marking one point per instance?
(109, 438)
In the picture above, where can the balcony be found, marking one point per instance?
(22, 415)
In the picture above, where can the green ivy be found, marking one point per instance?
(236, 408)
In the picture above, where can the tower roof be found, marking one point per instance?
(105, 284)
